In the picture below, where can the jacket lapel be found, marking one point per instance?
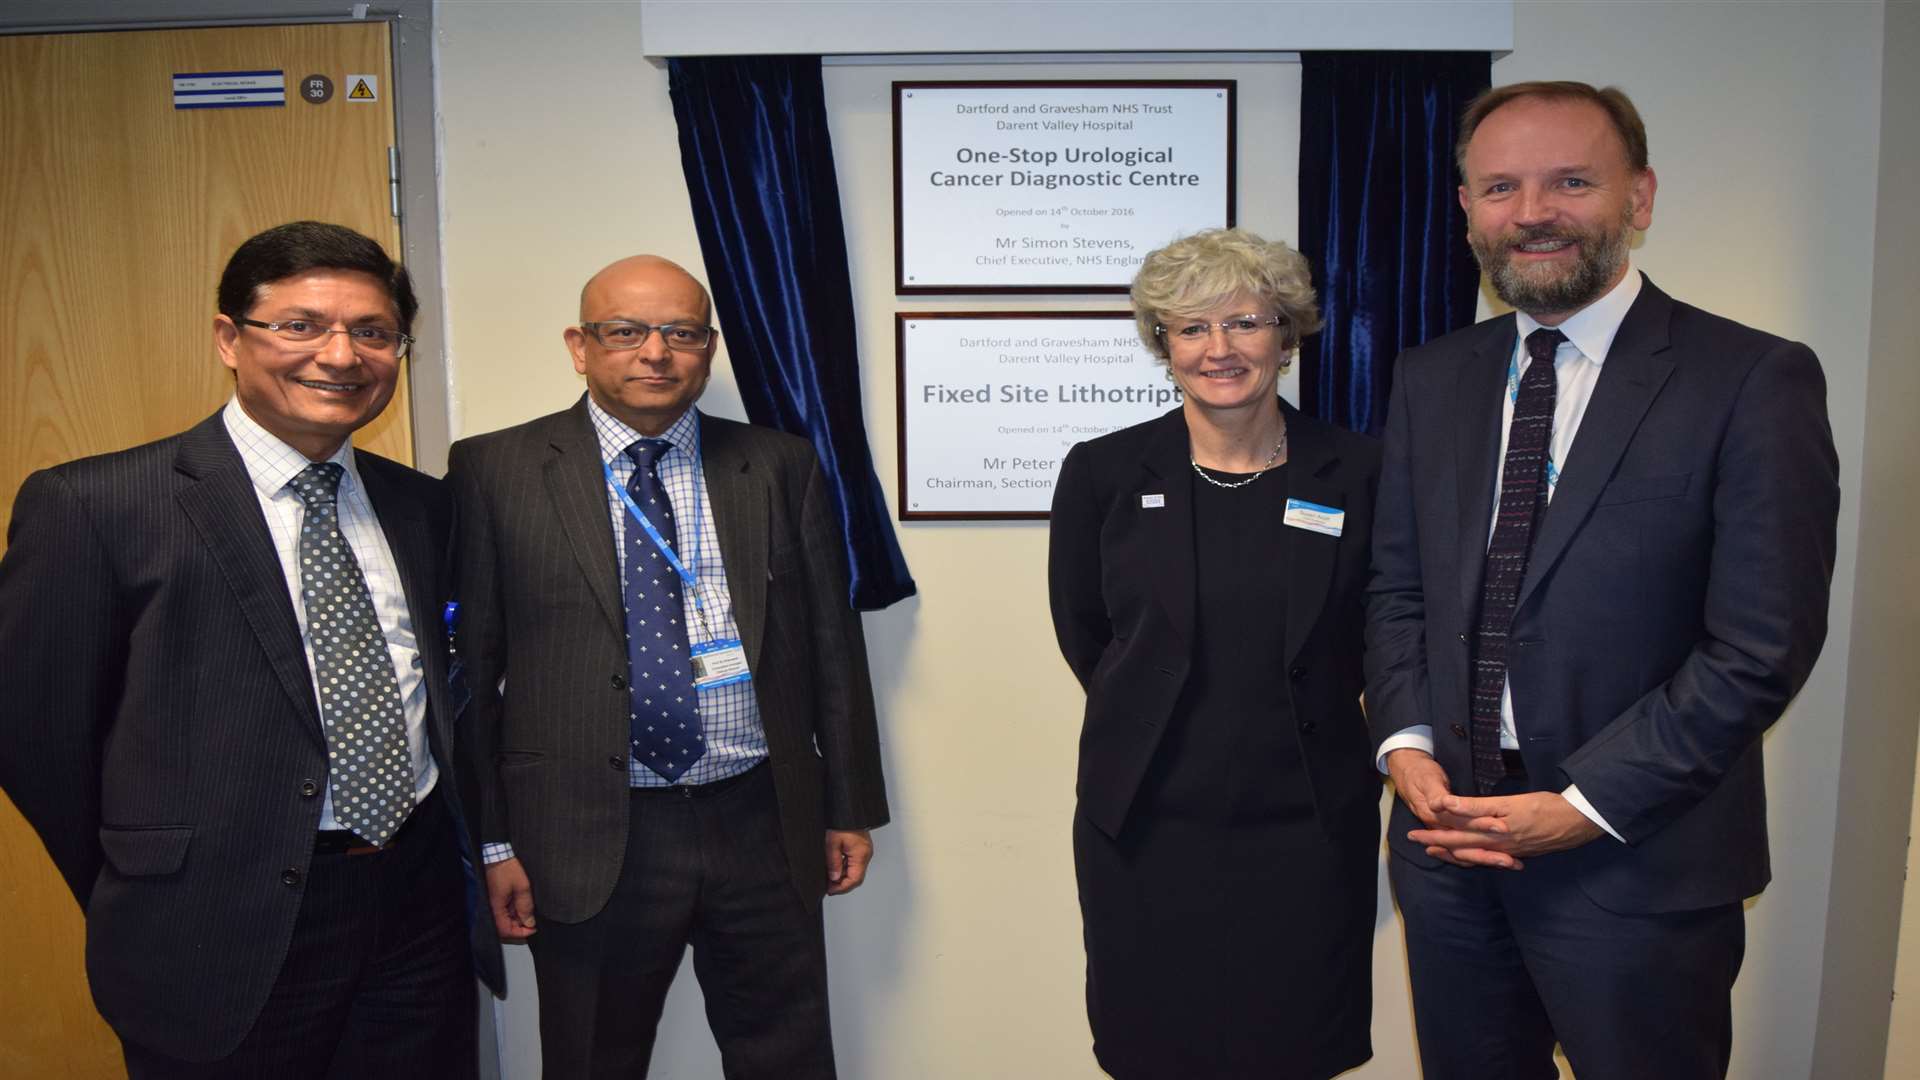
(404, 523)
(1309, 555)
(1637, 366)
(577, 484)
(1166, 470)
(1478, 394)
(737, 491)
(224, 508)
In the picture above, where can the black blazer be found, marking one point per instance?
(539, 591)
(158, 725)
(1674, 602)
(1121, 580)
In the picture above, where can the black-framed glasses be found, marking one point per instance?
(1240, 326)
(373, 340)
(624, 334)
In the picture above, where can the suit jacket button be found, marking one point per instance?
(1459, 730)
(617, 762)
(290, 876)
(1308, 727)
(619, 682)
(1297, 673)
(1463, 639)
(308, 789)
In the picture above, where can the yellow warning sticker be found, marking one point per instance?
(363, 88)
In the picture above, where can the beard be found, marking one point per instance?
(1547, 289)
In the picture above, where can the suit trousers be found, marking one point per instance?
(1504, 963)
(378, 982)
(705, 867)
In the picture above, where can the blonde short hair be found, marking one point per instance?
(1197, 273)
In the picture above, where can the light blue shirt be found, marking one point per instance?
(729, 715)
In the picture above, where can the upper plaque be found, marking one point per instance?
(1053, 187)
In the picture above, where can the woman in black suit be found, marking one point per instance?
(1205, 570)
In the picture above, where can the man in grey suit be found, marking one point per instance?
(225, 703)
(673, 729)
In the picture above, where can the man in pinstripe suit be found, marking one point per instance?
(673, 729)
(207, 640)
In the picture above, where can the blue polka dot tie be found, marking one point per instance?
(664, 715)
(369, 766)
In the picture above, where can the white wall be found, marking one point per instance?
(961, 958)
(1883, 696)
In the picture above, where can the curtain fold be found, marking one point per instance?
(759, 167)
(1380, 221)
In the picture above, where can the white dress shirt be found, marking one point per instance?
(272, 464)
(1576, 367)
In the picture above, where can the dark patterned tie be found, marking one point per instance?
(369, 766)
(1523, 495)
(664, 716)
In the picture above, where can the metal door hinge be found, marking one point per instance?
(393, 180)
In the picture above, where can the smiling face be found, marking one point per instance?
(1552, 204)
(311, 395)
(649, 387)
(1222, 372)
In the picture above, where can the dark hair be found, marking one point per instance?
(1613, 101)
(298, 247)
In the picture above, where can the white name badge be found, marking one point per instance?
(1152, 502)
(721, 662)
(1313, 517)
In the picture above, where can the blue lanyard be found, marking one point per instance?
(1513, 395)
(687, 580)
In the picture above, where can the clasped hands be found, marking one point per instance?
(1498, 831)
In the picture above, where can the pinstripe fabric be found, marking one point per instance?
(165, 742)
(538, 573)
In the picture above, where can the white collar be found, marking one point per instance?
(1592, 328)
(271, 463)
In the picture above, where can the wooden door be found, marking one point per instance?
(120, 212)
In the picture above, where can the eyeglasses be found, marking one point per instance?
(621, 334)
(1239, 326)
(372, 340)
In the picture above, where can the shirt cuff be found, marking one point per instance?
(491, 853)
(1580, 803)
(1417, 737)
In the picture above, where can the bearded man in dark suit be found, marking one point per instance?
(225, 705)
(675, 740)
(1602, 550)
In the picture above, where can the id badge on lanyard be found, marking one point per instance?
(717, 661)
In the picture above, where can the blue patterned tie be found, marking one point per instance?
(1523, 495)
(665, 711)
(369, 766)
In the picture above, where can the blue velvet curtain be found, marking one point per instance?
(759, 166)
(1379, 218)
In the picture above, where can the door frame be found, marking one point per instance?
(411, 39)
